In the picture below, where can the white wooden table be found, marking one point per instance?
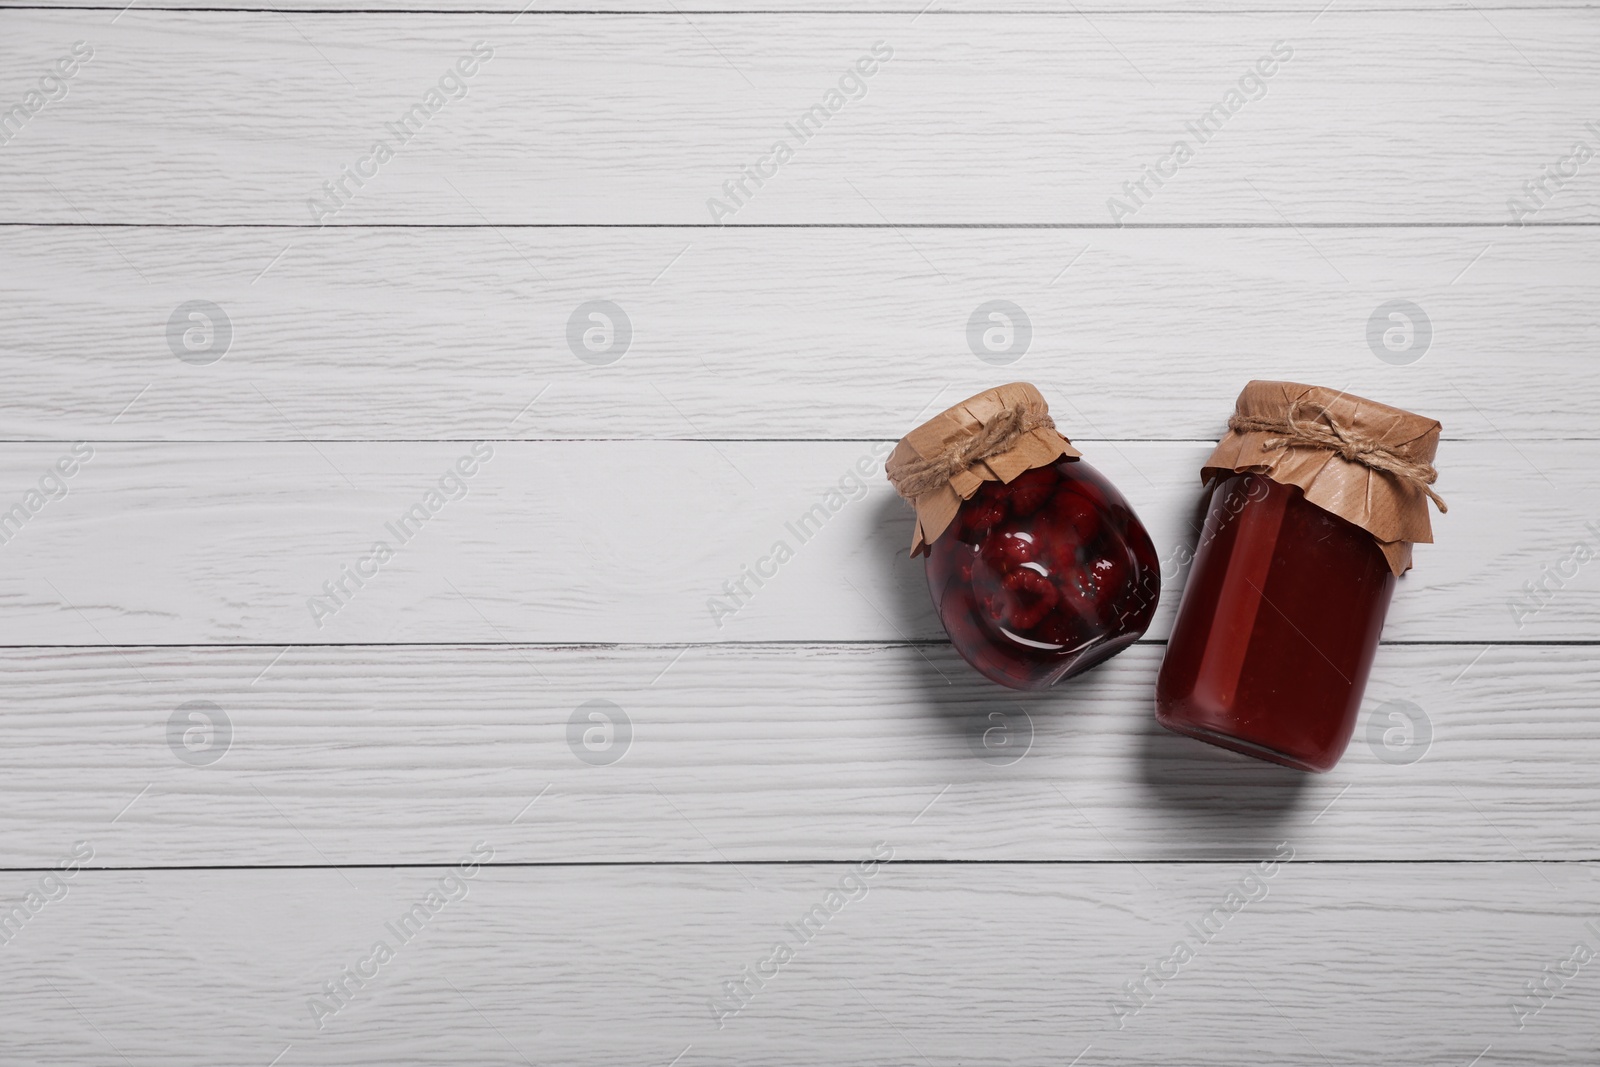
(578, 807)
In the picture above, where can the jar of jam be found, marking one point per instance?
(1038, 567)
(1316, 499)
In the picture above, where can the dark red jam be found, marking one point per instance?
(1043, 578)
(1277, 629)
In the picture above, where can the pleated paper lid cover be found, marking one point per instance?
(1365, 462)
(993, 436)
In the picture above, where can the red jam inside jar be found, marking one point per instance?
(1043, 577)
(1277, 629)
(1317, 497)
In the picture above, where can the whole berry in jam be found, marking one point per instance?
(1044, 577)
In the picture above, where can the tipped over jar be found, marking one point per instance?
(1037, 566)
(1316, 498)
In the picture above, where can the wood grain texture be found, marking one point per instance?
(363, 755)
(1002, 965)
(1384, 116)
(158, 614)
(957, 8)
(631, 541)
(441, 333)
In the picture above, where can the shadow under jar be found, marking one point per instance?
(1038, 568)
(1280, 620)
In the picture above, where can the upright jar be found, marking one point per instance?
(1037, 566)
(1316, 499)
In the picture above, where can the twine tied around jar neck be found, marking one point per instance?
(999, 434)
(1347, 444)
(996, 435)
(1278, 431)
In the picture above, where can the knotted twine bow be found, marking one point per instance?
(999, 434)
(994, 436)
(1278, 432)
(1348, 444)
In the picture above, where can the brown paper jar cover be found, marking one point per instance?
(1391, 507)
(960, 425)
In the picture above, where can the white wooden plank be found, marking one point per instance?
(757, 753)
(430, 333)
(631, 541)
(958, 8)
(1416, 963)
(240, 117)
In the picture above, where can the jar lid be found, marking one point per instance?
(1368, 463)
(993, 436)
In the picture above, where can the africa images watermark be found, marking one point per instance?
(452, 485)
(339, 992)
(51, 887)
(736, 591)
(1250, 888)
(52, 486)
(1223, 510)
(1252, 85)
(1540, 592)
(1554, 978)
(852, 85)
(1539, 191)
(52, 88)
(741, 989)
(452, 85)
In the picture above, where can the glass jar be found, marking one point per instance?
(1280, 620)
(1043, 577)
(1038, 567)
